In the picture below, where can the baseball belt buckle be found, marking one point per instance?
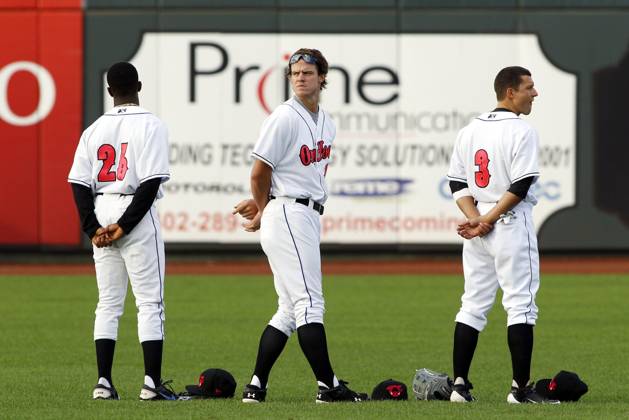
(317, 207)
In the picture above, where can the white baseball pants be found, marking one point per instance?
(138, 257)
(507, 258)
(290, 237)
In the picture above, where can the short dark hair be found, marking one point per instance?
(321, 63)
(509, 77)
(123, 78)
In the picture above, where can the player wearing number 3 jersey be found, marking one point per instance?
(119, 165)
(493, 165)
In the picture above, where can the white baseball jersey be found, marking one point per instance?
(495, 150)
(123, 148)
(298, 151)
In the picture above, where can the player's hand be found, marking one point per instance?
(472, 232)
(254, 224)
(474, 227)
(114, 231)
(246, 208)
(101, 238)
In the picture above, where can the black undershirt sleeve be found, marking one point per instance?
(521, 187)
(85, 204)
(457, 186)
(142, 201)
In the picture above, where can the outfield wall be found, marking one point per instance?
(405, 77)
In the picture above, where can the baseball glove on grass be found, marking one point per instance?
(431, 385)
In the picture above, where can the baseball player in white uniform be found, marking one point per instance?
(119, 165)
(288, 185)
(493, 165)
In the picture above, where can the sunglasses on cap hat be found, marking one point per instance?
(310, 59)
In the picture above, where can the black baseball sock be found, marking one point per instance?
(465, 340)
(153, 360)
(315, 347)
(272, 343)
(520, 338)
(105, 357)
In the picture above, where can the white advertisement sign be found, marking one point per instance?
(398, 102)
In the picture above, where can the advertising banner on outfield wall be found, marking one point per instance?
(398, 102)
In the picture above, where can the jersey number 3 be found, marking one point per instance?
(107, 154)
(482, 175)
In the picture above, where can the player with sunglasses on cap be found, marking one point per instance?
(289, 190)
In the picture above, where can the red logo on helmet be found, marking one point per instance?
(394, 390)
(201, 380)
(552, 385)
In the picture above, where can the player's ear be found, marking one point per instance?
(110, 92)
(139, 86)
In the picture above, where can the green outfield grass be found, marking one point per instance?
(378, 327)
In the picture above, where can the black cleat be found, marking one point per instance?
(162, 392)
(461, 391)
(339, 393)
(527, 395)
(253, 394)
(101, 392)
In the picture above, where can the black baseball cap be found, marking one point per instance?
(564, 386)
(213, 383)
(390, 390)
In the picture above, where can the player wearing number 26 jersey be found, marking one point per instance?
(123, 135)
(119, 165)
(493, 165)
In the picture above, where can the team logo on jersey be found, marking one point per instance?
(308, 156)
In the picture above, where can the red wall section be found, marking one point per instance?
(42, 4)
(60, 132)
(59, 4)
(18, 4)
(19, 197)
(41, 61)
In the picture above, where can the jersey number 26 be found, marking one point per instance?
(481, 159)
(107, 154)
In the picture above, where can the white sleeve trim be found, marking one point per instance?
(529, 175)
(455, 178)
(165, 177)
(263, 159)
(464, 192)
(78, 181)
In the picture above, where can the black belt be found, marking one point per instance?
(306, 202)
(112, 194)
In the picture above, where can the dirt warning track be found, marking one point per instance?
(443, 265)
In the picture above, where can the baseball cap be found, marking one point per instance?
(564, 386)
(390, 390)
(213, 383)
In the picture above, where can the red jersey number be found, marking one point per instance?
(107, 154)
(123, 165)
(482, 175)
